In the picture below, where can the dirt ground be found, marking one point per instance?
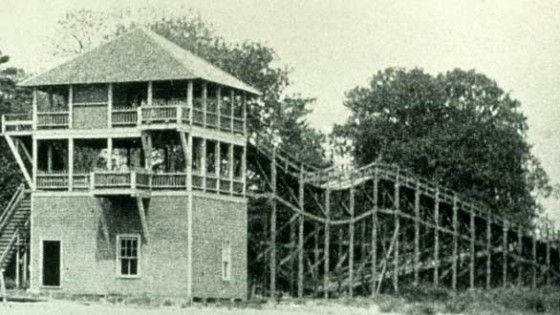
(61, 307)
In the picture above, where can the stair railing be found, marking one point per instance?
(11, 207)
(9, 247)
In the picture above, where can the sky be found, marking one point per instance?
(332, 46)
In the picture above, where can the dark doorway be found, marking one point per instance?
(51, 263)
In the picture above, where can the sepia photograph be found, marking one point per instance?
(279, 157)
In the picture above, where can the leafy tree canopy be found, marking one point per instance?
(458, 128)
(274, 118)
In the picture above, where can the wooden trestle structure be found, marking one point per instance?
(330, 233)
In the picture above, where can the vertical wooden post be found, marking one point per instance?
(230, 164)
(49, 156)
(327, 243)
(218, 164)
(374, 233)
(547, 274)
(109, 105)
(204, 102)
(472, 250)
(24, 268)
(455, 245)
(505, 245)
(273, 225)
(109, 153)
(316, 258)
(417, 234)
(218, 107)
(244, 113)
(534, 261)
(70, 107)
(3, 287)
(244, 168)
(300, 234)
(203, 163)
(436, 238)
(150, 93)
(188, 163)
(396, 262)
(520, 253)
(71, 164)
(35, 151)
(232, 109)
(34, 109)
(18, 261)
(351, 244)
(488, 251)
(190, 105)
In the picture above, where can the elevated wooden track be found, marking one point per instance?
(330, 232)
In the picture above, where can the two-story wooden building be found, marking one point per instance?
(134, 153)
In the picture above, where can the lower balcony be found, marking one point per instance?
(135, 182)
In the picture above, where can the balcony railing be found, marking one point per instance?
(17, 122)
(124, 117)
(113, 181)
(52, 120)
(144, 116)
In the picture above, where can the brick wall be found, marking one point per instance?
(89, 258)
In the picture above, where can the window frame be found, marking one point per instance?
(118, 262)
(226, 257)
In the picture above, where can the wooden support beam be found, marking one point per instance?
(71, 164)
(327, 243)
(351, 244)
(273, 226)
(70, 107)
(436, 238)
(374, 227)
(109, 105)
(488, 252)
(520, 254)
(232, 109)
(218, 107)
(143, 219)
(190, 105)
(505, 245)
(204, 102)
(455, 244)
(3, 287)
(18, 261)
(316, 258)
(109, 153)
(49, 157)
(24, 268)
(534, 261)
(34, 109)
(300, 233)
(30, 181)
(547, 258)
(396, 262)
(417, 235)
(150, 94)
(472, 250)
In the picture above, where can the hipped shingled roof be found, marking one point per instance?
(140, 55)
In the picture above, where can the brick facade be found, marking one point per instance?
(81, 222)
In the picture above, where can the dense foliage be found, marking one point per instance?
(459, 129)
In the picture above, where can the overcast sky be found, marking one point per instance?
(334, 46)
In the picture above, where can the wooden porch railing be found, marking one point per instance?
(124, 117)
(17, 122)
(52, 119)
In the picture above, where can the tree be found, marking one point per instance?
(12, 99)
(250, 61)
(459, 129)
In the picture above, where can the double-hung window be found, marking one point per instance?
(128, 255)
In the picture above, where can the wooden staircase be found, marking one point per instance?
(14, 226)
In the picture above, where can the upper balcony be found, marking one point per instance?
(142, 105)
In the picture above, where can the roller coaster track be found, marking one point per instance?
(332, 232)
